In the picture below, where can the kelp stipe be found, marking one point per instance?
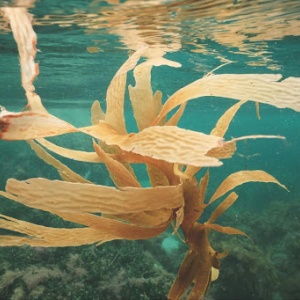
(172, 155)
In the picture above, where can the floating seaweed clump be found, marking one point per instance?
(172, 155)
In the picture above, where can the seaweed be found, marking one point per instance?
(173, 157)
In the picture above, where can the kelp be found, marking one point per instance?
(173, 157)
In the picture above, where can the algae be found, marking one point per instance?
(172, 155)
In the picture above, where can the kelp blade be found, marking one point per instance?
(67, 197)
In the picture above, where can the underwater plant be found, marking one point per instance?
(173, 157)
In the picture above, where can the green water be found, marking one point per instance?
(71, 78)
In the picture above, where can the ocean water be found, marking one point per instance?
(81, 45)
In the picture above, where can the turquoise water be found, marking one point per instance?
(81, 46)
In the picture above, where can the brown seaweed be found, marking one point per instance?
(173, 157)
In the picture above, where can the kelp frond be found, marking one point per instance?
(263, 88)
(172, 155)
(99, 230)
(241, 177)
